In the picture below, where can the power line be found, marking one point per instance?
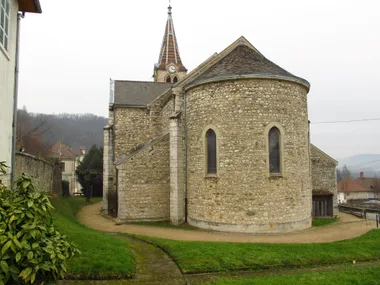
(364, 163)
(348, 121)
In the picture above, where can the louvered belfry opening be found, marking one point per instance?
(211, 151)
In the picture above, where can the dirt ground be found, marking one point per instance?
(348, 227)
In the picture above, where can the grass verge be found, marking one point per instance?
(322, 222)
(103, 256)
(348, 275)
(199, 257)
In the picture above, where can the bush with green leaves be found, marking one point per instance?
(32, 250)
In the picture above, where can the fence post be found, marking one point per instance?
(377, 220)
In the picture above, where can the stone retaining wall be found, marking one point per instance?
(41, 170)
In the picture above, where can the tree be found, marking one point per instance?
(338, 175)
(90, 172)
(30, 132)
(346, 173)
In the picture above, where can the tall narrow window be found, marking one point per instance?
(168, 80)
(4, 23)
(274, 150)
(175, 79)
(211, 151)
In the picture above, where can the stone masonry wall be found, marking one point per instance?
(323, 170)
(132, 129)
(143, 184)
(243, 197)
(135, 127)
(163, 74)
(165, 114)
(42, 171)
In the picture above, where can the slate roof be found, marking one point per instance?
(244, 60)
(138, 93)
(350, 185)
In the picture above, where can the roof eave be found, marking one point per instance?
(30, 6)
(297, 80)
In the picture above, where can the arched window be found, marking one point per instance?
(274, 150)
(175, 79)
(168, 79)
(211, 151)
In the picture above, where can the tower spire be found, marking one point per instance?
(169, 53)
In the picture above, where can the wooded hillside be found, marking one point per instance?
(38, 132)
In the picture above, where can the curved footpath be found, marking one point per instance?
(348, 227)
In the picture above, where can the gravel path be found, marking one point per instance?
(153, 267)
(348, 227)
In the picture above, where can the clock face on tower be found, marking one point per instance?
(172, 69)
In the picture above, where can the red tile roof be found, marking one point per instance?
(370, 183)
(60, 150)
(350, 185)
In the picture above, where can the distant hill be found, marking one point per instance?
(75, 130)
(368, 163)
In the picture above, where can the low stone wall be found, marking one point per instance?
(40, 170)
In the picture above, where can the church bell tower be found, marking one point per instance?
(169, 67)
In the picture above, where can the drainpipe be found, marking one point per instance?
(15, 97)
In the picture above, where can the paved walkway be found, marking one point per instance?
(348, 227)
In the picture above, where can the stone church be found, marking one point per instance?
(224, 147)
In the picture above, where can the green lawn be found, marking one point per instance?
(349, 275)
(103, 256)
(197, 257)
(106, 257)
(322, 222)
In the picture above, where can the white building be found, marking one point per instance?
(9, 10)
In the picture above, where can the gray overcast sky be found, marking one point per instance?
(69, 52)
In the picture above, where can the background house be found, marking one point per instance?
(9, 10)
(372, 183)
(349, 189)
(69, 160)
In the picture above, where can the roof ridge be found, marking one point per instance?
(322, 152)
(141, 81)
